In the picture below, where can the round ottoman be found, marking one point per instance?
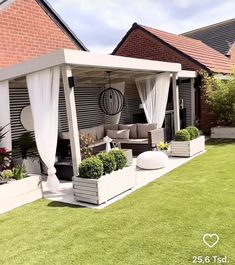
(152, 160)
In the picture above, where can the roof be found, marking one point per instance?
(59, 21)
(219, 36)
(195, 50)
(88, 61)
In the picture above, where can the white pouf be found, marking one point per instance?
(152, 160)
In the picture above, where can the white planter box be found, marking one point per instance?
(188, 148)
(19, 192)
(223, 132)
(98, 191)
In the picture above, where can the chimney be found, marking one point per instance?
(231, 52)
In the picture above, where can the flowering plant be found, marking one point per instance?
(163, 146)
(86, 142)
(5, 157)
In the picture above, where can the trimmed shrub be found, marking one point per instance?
(193, 131)
(182, 135)
(120, 158)
(109, 162)
(91, 168)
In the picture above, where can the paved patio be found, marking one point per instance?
(143, 177)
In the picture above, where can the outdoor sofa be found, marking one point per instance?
(139, 137)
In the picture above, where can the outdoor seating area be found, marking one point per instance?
(120, 152)
(138, 137)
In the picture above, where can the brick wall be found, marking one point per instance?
(27, 31)
(140, 44)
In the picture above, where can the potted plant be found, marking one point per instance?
(103, 177)
(28, 149)
(163, 147)
(19, 188)
(187, 142)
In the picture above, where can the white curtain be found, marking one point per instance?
(5, 114)
(116, 118)
(43, 87)
(153, 92)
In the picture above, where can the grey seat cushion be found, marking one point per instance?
(131, 141)
(131, 127)
(118, 134)
(144, 128)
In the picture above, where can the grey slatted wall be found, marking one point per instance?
(185, 94)
(18, 100)
(131, 107)
(88, 111)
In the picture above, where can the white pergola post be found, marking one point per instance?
(192, 80)
(175, 88)
(5, 114)
(72, 119)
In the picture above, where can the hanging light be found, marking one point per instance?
(111, 100)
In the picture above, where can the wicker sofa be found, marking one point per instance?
(139, 137)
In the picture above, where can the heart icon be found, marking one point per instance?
(210, 240)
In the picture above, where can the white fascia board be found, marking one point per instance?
(33, 65)
(187, 74)
(81, 58)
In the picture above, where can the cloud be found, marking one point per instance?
(101, 24)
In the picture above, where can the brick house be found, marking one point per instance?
(32, 28)
(149, 43)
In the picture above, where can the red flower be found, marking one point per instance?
(3, 150)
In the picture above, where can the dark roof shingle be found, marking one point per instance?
(219, 36)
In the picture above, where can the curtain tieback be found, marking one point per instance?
(51, 171)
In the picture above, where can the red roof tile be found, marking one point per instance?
(197, 50)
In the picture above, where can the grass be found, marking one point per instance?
(163, 223)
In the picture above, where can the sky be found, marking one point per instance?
(101, 24)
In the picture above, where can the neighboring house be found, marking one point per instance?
(219, 36)
(149, 43)
(32, 28)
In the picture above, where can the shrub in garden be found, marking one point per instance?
(7, 174)
(91, 167)
(182, 135)
(220, 95)
(19, 172)
(109, 162)
(120, 158)
(193, 131)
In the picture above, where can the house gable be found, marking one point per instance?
(138, 43)
(192, 54)
(31, 28)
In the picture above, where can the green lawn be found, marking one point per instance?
(163, 223)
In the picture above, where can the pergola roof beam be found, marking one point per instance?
(77, 59)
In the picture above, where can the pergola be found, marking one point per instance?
(87, 67)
